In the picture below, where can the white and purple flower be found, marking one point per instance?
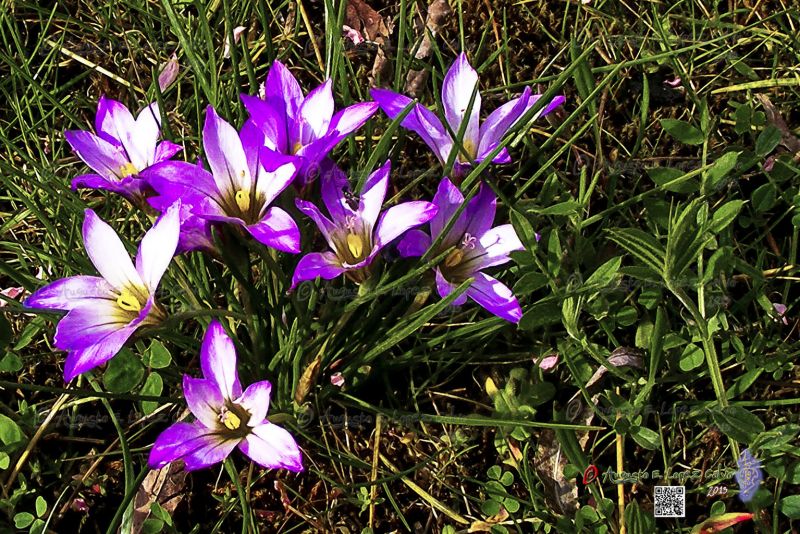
(122, 148)
(104, 311)
(304, 128)
(477, 246)
(226, 417)
(356, 230)
(479, 140)
(244, 181)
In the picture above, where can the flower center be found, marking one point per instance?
(128, 301)
(243, 200)
(297, 146)
(454, 258)
(355, 245)
(127, 170)
(229, 419)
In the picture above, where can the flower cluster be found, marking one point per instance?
(246, 185)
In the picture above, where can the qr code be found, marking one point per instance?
(670, 501)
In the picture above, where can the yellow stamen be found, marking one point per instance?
(296, 148)
(355, 244)
(243, 199)
(454, 258)
(470, 149)
(127, 170)
(231, 420)
(128, 302)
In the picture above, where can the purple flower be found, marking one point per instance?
(122, 148)
(103, 312)
(195, 231)
(226, 417)
(479, 139)
(477, 246)
(355, 233)
(243, 182)
(304, 128)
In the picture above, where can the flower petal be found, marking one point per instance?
(179, 180)
(275, 173)
(459, 83)
(315, 112)
(278, 230)
(373, 193)
(127, 187)
(269, 120)
(225, 155)
(255, 400)
(158, 247)
(146, 132)
(398, 219)
(108, 253)
(273, 447)
(68, 293)
(414, 244)
(444, 287)
(104, 158)
(433, 133)
(165, 150)
(323, 264)
(282, 88)
(176, 442)
(495, 297)
(212, 450)
(326, 227)
(218, 361)
(500, 121)
(448, 198)
(496, 244)
(333, 184)
(204, 400)
(352, 118)
(480, 211)
(89, 324)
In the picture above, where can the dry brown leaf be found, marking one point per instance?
(308, 380)
(438, 10)
(486, 526)
(788, 139)
(363, 19)
(164, 486)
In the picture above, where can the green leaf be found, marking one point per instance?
(507, 479)
(722, 167)
(41, 506)
(523, 228)
(540, 314)
(641, 245)
(638, 520)
(153, 386)
(570, 207)
(738, 423)
(686, 240)
(767, 141)
(664, 175)
(692, 357)
(683, 131)
(5, 460)
(124, 372)
(790, 506)
(725, 215)
(10, 432)
(23, 519)
(494, 472)
(156, 356)
(11, 363)
(530, 282)
(764, 197)
(604, 275)
(645, 437)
